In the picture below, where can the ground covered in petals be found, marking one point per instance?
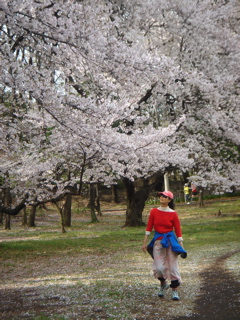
(114, 284)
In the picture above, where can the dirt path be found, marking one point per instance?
(220, 298)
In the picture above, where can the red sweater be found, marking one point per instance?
(164, 222)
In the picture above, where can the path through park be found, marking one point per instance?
(220, 294)
(218, 299)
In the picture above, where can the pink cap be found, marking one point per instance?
(169, 194)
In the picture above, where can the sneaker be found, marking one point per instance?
(163, 290)
(175, 295)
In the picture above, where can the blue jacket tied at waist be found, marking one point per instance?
(168, 239)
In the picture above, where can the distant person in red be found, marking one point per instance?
(166, 246)
(194, 191)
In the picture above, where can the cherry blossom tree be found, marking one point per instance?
(96, 91)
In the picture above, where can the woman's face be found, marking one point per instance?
(164, 200)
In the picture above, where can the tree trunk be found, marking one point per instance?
(135, 204)
(24, 217)
(137, 193)
(114, 193)
(31, 218)
(8, 222)
(67, 211)
(60, 210)
(92, 194)
(98, 205)
(13, 211)
(200, 198)
(7, 202)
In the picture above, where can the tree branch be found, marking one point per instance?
(16, 210)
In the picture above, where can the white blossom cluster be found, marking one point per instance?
(115, 89)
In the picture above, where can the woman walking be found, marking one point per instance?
(165, 245)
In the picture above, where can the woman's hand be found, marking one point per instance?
(181, 243)
(144, 247)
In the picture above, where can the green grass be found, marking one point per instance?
(55, 317)
(99, 241)
(211, 231)
(200, 226)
